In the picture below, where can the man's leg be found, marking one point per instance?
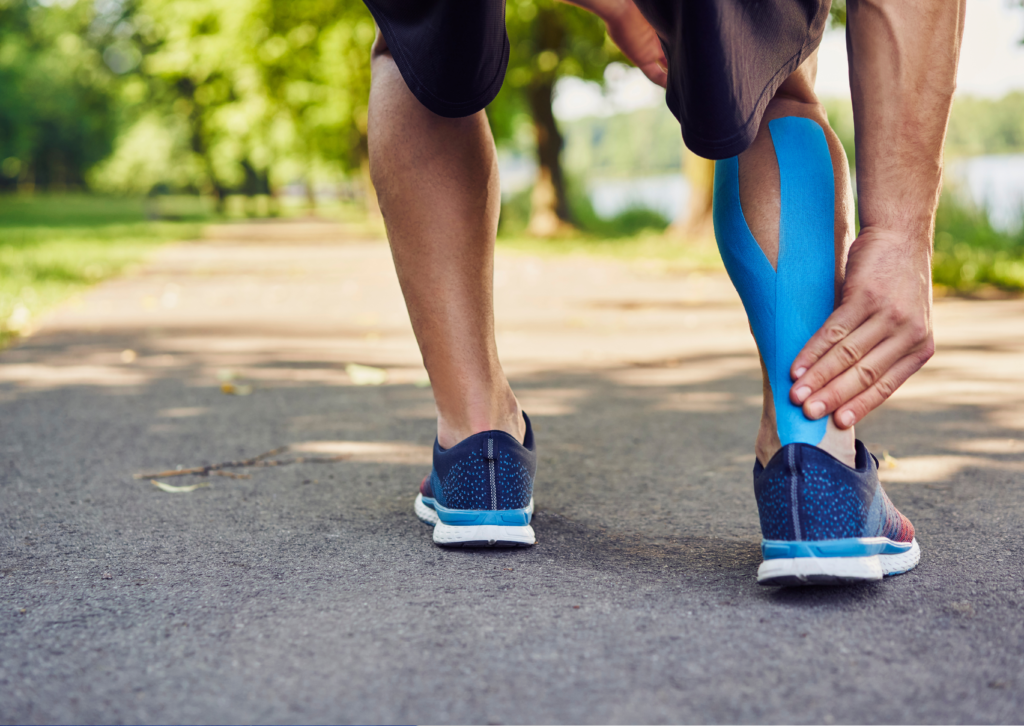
(760, 196)
(437, 183)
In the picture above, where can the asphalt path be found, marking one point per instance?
(307, 592)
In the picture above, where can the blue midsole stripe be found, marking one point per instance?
(773, 549)
(476, 517)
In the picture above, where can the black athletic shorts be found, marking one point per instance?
(726, 57)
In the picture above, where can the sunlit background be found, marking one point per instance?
(128, 123)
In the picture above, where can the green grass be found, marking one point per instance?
(667, 252)
(971, 255)
(54, 246)
(633, 234)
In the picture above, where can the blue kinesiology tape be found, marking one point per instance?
(786, 305)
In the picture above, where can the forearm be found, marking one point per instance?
(603, 9)
(903, 59)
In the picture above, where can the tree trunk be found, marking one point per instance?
(696, 223)
(549, 206)
(310, 196)
(199, 147)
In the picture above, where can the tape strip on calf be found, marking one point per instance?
(787, 305)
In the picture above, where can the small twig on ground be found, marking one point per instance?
(262, 460)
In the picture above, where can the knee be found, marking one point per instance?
(796, 96)
(804, 105)
(380, 55)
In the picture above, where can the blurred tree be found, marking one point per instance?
(199, 65)
(269, 90)
(57, 90)
(549, 40)
(318, 74)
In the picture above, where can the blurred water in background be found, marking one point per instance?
(667, 194)
(993, 182)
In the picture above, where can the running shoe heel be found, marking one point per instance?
(480, 492)
(825, 523)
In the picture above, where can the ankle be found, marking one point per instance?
(836, 441)
(839, 443)
(767, 442)
(503, 415)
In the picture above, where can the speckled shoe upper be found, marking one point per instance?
(805, 494)
(487, 471)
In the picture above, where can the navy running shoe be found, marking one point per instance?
(480, 491)
(825, 523)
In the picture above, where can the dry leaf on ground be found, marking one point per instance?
(172, 489)
(366, 375)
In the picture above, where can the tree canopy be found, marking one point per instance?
(57, 92)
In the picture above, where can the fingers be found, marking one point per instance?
(844, 355)
(843, 320)
(863, 374)
(875, 395)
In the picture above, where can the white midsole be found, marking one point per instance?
(426, 514)
(873, 567)
(488, 533)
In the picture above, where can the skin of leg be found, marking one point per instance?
(437, 185)
(760, 197)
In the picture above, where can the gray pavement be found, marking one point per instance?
(310, 593)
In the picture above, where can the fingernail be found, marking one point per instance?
(802, 393)
(846, 418)
(815, 410)
(800, 372)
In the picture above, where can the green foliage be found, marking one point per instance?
(971, 254)
(646, 141)
(52, 247)
(976, 125)
(250, 93)
(838, 13)
(985, 126)
(549, 40)
(57, 90)
(840, 118)
(627, 223)
(197, 95)
(515, 213)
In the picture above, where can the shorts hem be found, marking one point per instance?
(423, 94)
(738, 142)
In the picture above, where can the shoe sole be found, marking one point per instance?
(483, 535)
(787, 572)
(480, 535)
(425, 514)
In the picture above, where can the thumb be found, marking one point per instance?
(656, 72)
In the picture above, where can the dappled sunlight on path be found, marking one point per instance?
(314, 580)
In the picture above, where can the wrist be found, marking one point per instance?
(910, 244)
